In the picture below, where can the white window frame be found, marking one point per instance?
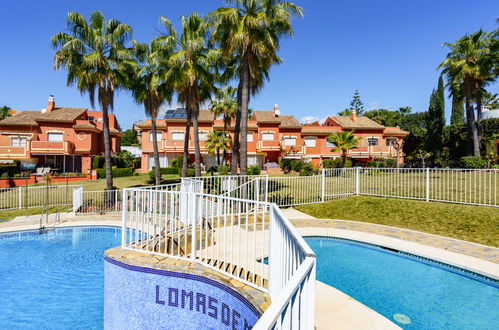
(249, 137)
(264, 134)
(54, 134)
(18, 141)
(203, 135)
(159, 136)
(286, 140)
(308, 139)
(177, 139)
(372, 138)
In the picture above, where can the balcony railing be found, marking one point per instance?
(13, 152)
(51, 146)
(269, 145)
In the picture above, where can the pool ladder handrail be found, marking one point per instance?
(42, 228)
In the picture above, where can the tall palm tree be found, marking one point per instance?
(95, 57)
(148, 80)
(192, 78)
(343, 141)
(216, 141)
(5, 112)
(250, 32)
(224, 104)
(470, 64)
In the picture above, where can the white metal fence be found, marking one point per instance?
(234, 236)
(36, 197)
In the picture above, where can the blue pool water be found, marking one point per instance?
(432, 296)
(54, 280)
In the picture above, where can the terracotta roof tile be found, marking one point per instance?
(361, 122)
(269, 117)
(31, 118)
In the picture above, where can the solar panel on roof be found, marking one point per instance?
(176, 113)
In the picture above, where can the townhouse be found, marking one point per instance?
(62, 138)
(271, 136)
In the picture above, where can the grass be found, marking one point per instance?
(11, 214)
(470, 223)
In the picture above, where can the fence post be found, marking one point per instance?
(124, 206)
(323, 184)
(193, 220)
(266, 188)
(357, 181)
(20, 197)
(427, 184)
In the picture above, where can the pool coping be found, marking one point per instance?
(466, 262)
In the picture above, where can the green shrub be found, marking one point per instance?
(285, 164)
(167, 170)
(223, 169)
(135, 173)
(472, 162)
(177, 162)
(335, 163)
(9, 169)
(5, 175)
(375, 164)
(297, 165)
(254, 170)
(307, 170)
(117, 172)
(98, 162)
(191, 172)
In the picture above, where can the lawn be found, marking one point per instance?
(11, 214)
(478, 224)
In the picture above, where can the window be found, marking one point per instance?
(18, 141)
(391, 142)
(310, 142)
(55, 137)
(178, 136)
(159, 136)
(249, 137)
(372, 141)
(289, 141)
(330, 144)
(91, 118)
(268, 136)
(203, 136)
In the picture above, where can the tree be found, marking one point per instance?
(249, 33)
(150, 82)
(193, 78)
(343, 141)
(224, 104)
(470, 64)
(385, 117)
(95, 57)
(5, 112)
(216, 141)
(356, 104)
(457, 115)
(436, 120)
(129, 138)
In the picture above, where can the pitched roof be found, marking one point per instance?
(360, 122)
(204, 116)
(31, 118)
(270, 117)
(395, 131)
(319, 130)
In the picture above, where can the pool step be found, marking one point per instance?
(235, 270)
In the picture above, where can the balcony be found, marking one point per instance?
(178, 145)
(294, 150)
(268, 145)
(51, 147)
(8, 152)
(372, 151)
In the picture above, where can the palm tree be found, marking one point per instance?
(5, 112)
(225, 104)
(148, 80)
(249, 32)
(343, 141)
(192, 78)
(95, 57)
(470, 65)
(216, 141)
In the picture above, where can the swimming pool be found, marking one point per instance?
(414, 293)
(54, 280)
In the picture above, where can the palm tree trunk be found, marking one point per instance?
(237, 128)
(218, 156)
(157, 167)
(185, 160)
(478, 120)
(245, 91)
(471, 130)
(225, 151)
(197, 150)
(107, 149)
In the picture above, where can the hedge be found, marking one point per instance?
(117, 172)
(472, 162)
(167, 170)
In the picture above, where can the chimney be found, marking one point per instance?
(276, 110)
(51, 104)
(354, 115)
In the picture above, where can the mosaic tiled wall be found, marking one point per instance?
(145, 298)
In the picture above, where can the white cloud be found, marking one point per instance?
(311, 119)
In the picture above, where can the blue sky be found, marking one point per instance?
(388, 49)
